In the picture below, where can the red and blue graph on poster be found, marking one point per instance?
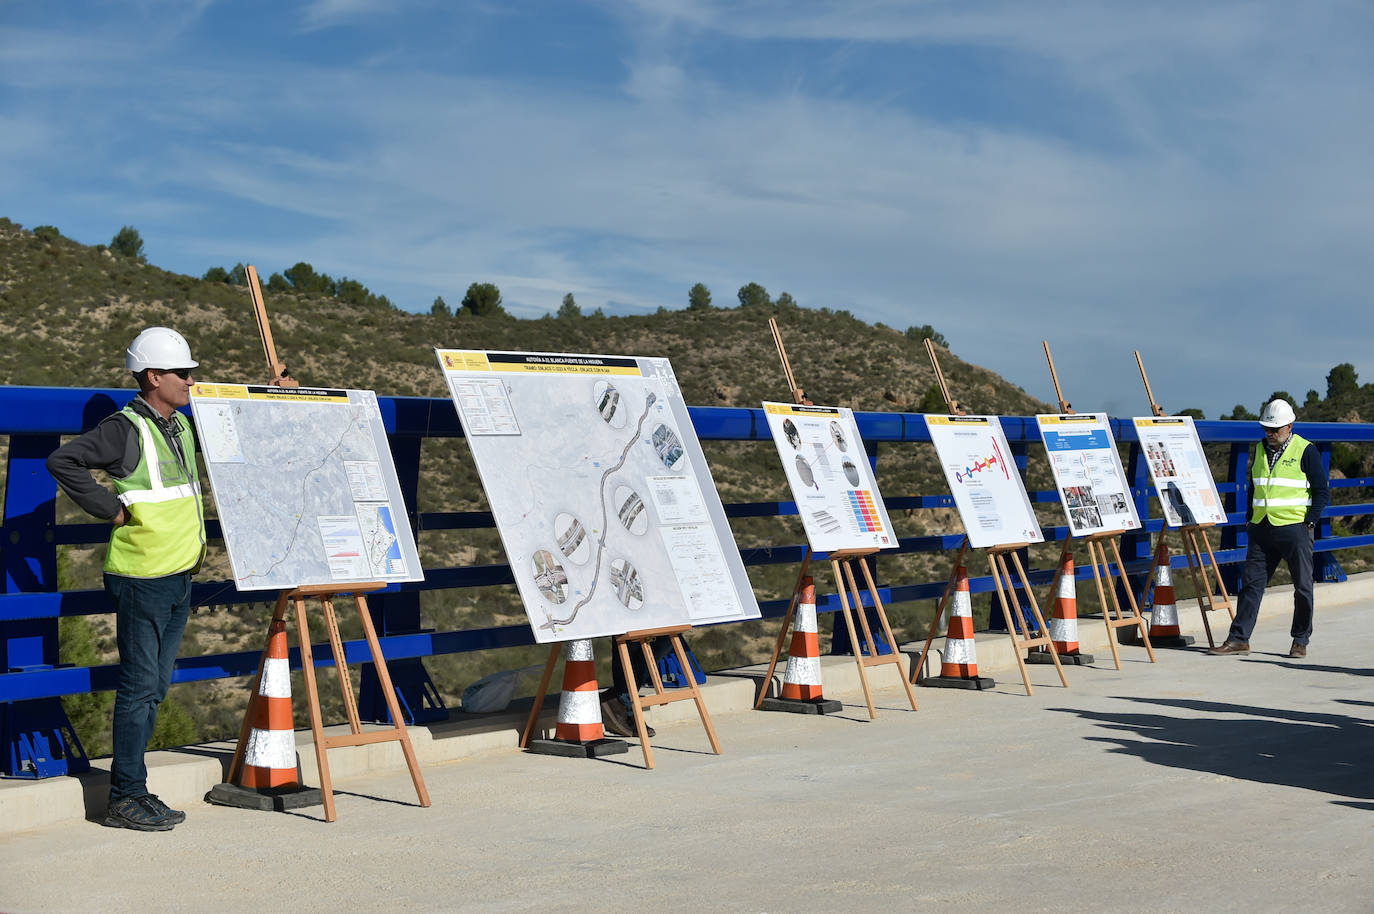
(864, 512)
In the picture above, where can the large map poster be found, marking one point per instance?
(304, 485)
(831, 480)
(600, 490)
(984, 481)
(1178, 466)
(1087, 471)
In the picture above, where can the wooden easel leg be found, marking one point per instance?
(1130, 597)
(1220, 584)
(350, 702)
(853, 636)
(782, 632)
(1197, 572)
(632, 686)
(236, 767)
(887, 630)
(1039, 619)
(539, 698)
(1107, 617)
(681, 651)
(394, 706)
(316, 723)
(920, 666)
(1014, 624)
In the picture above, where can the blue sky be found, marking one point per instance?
(1194, 180)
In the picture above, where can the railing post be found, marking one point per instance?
(38, 737)
(1325, 565)
(1238, 472)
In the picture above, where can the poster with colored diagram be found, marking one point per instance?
(830, 477)
(1087, 471)
(1179, 469)
(984, 481)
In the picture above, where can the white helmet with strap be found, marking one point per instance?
(1277, 414)
(158, 347)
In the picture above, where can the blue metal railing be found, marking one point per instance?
(30, 604)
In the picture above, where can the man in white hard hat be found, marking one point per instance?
(157, 542)
(1288, 492)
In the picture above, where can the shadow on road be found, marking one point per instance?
(1327, 753)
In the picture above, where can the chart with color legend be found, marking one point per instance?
(865, 514)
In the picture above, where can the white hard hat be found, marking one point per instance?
(158, 347)
(1277, 414)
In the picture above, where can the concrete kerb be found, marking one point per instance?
(183, 776)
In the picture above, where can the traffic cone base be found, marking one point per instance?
(1164, 630)
(801, 685)
(1076, 658)
(959, 660)
(270, 777)
(579, 733)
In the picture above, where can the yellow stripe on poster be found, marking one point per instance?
(207, 391)
(791, 409)
(464, 360)
(958, 420)
(1067, 419)
(1146, 421)
(298, 394)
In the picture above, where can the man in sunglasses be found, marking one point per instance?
(158, 541)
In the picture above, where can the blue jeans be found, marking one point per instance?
(150, 616)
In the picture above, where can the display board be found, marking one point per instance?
(1087, 472)
(304, 485)
(982, 476)
(600, 490)
(1178, 467)
(831, 480)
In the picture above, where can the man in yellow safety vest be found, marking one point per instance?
(1288, 492)
(157, 542)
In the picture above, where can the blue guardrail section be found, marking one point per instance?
(38, 740)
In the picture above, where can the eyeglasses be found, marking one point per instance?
(183, 373)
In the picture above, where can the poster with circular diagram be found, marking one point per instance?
(600, 491)
(831, 480)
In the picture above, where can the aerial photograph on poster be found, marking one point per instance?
(600, 491)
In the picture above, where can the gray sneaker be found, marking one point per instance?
(131, 812)
(161, 809)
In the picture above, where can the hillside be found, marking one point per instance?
(69, 309)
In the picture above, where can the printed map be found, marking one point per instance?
(304, 485)
(600, 491)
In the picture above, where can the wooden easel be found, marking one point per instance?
(842, 567)
(326, 594)
(1196, 545)
(1017, 630)
(661, 695)
(1113, 614)
(355, 736)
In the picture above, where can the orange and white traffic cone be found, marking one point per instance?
(579, 733)
(959, 662)
(270, 776)
(1063, 620)
(801, 684)
(1164, 630)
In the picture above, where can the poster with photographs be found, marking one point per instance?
(1087, 471)
(600, 491)
(984, 481)
(831, 480)
(1178, 467)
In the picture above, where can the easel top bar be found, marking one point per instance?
(320, 590)
(646, 633)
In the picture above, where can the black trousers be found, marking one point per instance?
(1268, 545)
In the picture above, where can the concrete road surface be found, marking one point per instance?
(1194, 784)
